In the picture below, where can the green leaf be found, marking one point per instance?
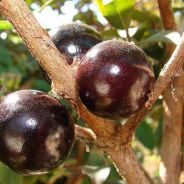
(29, 2)
(109, 34)
(140, 31)
(41, 85)
(95, 158)
(144, 134)
(161, 36)
(5, 59)
(47, 3)
(117, 12)
(158, 133)
(144, 16)
(86, 180)
(5, 25)
(156, 51)
(7, 176)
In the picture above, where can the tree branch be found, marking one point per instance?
(126, 158)
(171, 137)
(85, 134)
(173, 109)
(167, 15)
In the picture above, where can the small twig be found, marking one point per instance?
(85, 134)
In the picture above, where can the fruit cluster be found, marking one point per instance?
(113, 77)
(112, 80)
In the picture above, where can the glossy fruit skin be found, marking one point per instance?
(36, 132)
(113, 79)
(75, 39)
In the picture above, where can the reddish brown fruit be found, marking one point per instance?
(75, 39)
(113, 79)
(36, 132)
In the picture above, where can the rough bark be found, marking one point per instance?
(166, 13)
(171, 139)
(121, 159)
(173, 110)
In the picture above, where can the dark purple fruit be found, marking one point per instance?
(75, 39)
(36, 132)
(113, 79)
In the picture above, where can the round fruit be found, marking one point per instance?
(36, 132)
(113, 79)
(75, 39)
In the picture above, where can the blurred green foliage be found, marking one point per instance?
(18, 70)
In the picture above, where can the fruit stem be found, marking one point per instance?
(127, 35)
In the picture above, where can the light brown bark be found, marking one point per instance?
(171, 139)
(126, 158)
(173, 110)
(167, 15)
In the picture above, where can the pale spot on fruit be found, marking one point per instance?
(115, 70)
(52, 143)
(137, 92)
(102, 88)
(14, 143)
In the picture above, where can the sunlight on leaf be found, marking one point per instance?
(105, 2)
(46, 4)
(162, 36)
(117, 12)
(5, 25)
